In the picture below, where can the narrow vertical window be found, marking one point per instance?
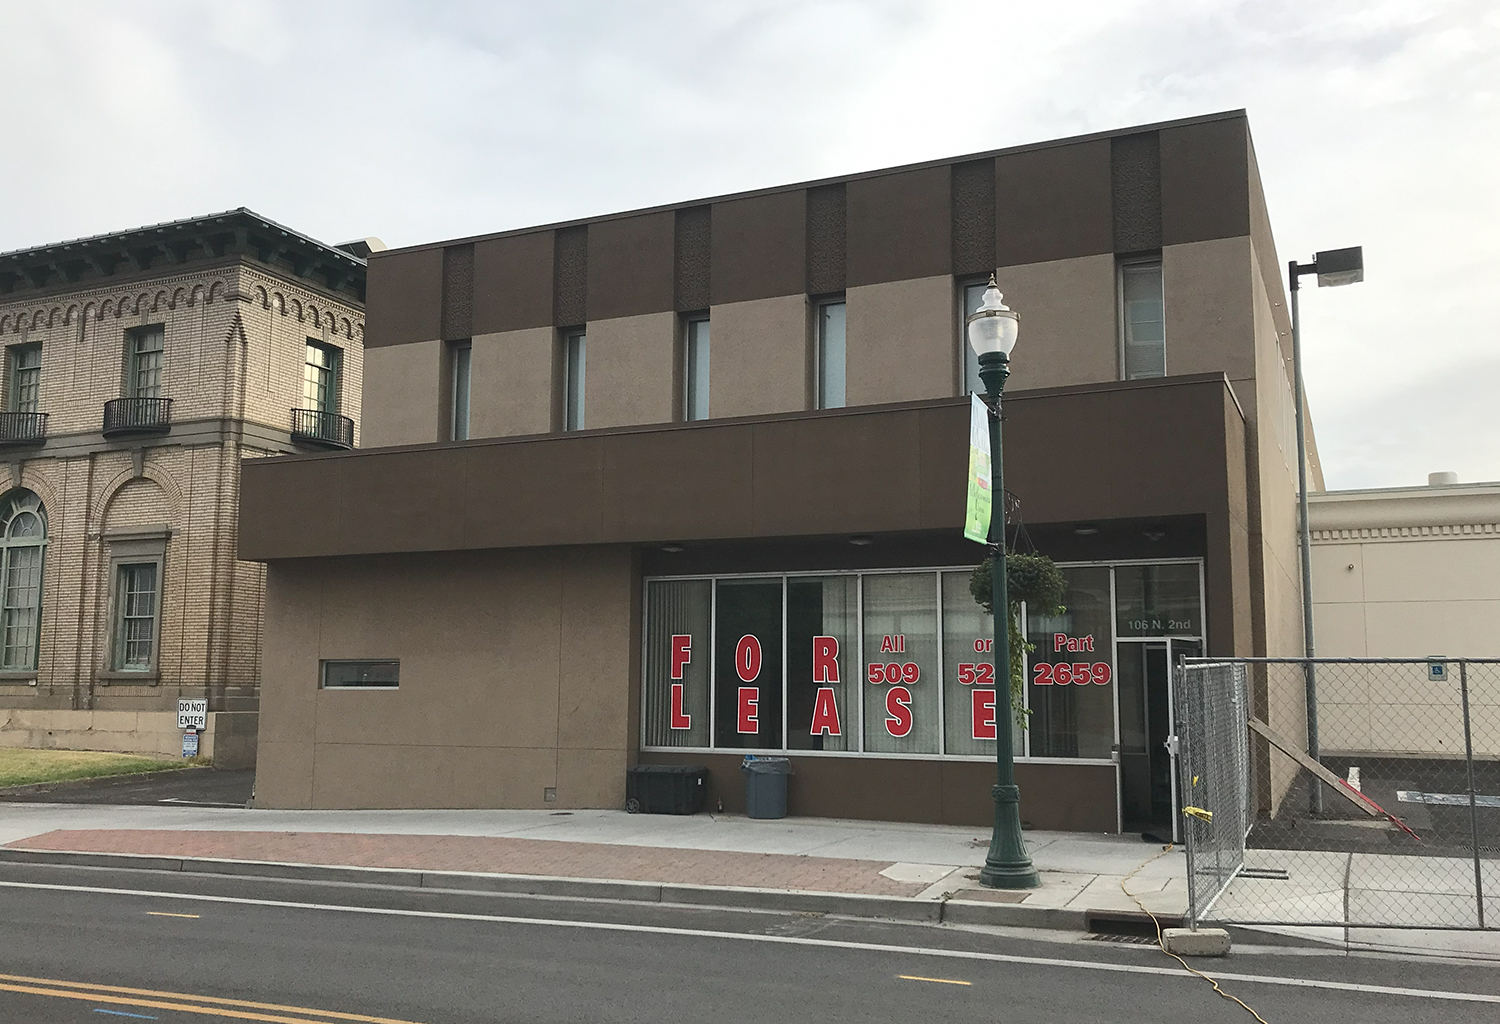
(462, 351)
(23, 540)
(973, 297)
(135, 617)
(695, 372)
(831, 354)
(25, 377)
(1142, 320)
(575, 359)
(320, 378)
(143, 379)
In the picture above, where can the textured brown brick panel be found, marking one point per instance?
(974, 217)
(693, 258)
(570, 276)
(827, 225)
(1135, 176)
(458, 291)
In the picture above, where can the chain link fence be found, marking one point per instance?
(1354, 793)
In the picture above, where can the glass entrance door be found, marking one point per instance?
(1148, 779)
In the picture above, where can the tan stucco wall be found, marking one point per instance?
(901, 341)
(1208, 291)
(759, 360)
(502, 695)
(402, 394)
(1069, 332)
(630, 371)
(511, 382)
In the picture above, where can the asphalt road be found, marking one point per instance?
(95, 945)
(188, 787)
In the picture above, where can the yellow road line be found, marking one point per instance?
(940, 981)
(102, 993)
(162, 913)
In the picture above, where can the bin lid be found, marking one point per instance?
(766, 765)
(666, 769)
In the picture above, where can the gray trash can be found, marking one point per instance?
(765, 785)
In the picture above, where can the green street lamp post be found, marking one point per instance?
(992, 334)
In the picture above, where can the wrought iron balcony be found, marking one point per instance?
(328, 429)
(137, 416)
(21, 428)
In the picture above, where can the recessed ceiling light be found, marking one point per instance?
(1155, 535)
(1087, 531)
(672, 549)
(861, 540)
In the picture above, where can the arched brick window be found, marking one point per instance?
(23, 543)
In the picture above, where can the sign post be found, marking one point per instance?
(981, 481)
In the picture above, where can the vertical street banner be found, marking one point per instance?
(981, 479)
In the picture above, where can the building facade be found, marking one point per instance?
(139, 369)
(685, 483)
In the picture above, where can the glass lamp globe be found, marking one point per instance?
(993, 326)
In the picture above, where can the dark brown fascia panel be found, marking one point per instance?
(900, 226)
(1053, 204)
(631, 266)
(513, 283)
(1205, 181)
(759, 247)
(405, 299)
(1126, 450)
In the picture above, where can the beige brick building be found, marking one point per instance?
(139, 369)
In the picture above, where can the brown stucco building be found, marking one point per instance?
(676, 485)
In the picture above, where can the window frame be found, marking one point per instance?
(690, 365)
(575, 379)
(965, 350)
(117, 668)
(133, 353)
(819, 354)
(7, 546)
(1121, 267)
(13, 356)
(324, 663)
(333, 405)
(461, 370)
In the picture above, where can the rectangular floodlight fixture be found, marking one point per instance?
(1340, 266)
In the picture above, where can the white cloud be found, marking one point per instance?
(1375, 124)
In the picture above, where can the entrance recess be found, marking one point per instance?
(1148, 790)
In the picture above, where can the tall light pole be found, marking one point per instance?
(1334, 267)
(992, 334)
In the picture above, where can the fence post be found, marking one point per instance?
(1463, 689)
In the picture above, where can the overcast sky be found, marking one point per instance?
(1375, 123)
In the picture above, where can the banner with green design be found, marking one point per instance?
(981, 479)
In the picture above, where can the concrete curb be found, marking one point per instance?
(896, 908)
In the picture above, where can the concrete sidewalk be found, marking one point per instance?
(928, 864)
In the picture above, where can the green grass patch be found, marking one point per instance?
(26, 767)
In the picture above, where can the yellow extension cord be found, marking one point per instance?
(1163, 946)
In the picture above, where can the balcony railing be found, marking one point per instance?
(20, 428)
(137, 416)
(329, 429)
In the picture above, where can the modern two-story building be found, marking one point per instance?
(686, 483)
(140, 367)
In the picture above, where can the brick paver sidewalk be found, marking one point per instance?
(491, 854)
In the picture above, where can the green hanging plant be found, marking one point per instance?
(1034, 579)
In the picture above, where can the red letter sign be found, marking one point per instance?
(825, 717)
(680, 718)
(747, 660)
(825, 660)
(682, 653)
(898, 707)
(750, 709)
(983, 714)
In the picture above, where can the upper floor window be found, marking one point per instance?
(23, 539)
(575, 353)
(971, 297)
(460, 357)
(25, 377)
(320, 377)
(144, 347)
(1143, 334)
(695, 369)
(830, 355)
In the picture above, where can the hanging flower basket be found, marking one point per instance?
(1034, 579)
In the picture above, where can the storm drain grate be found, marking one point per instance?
(1129, 940)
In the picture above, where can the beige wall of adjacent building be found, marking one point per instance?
(533, 646)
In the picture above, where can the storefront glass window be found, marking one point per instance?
(969, 682)
(1071, 685)
(747, 665)
(901, 671)
(822, 686)
(1158, 600)
(677, 657)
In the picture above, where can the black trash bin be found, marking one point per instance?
(765, 785)
(665, 788)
